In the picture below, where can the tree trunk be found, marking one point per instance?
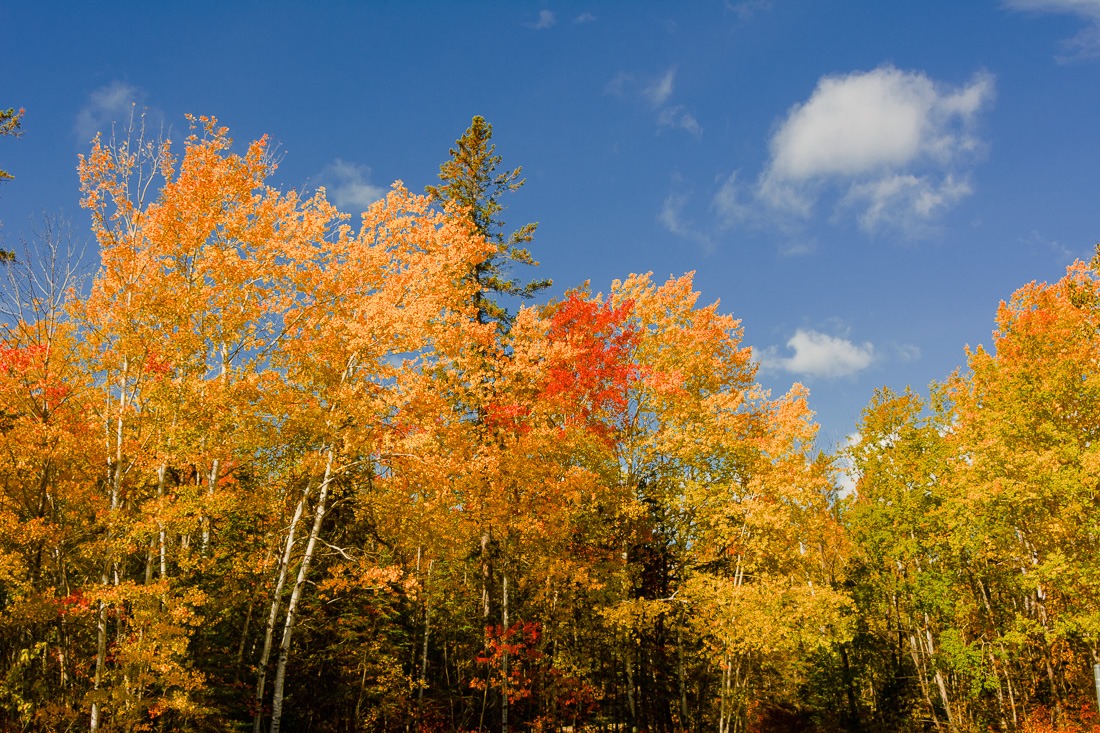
(211, 482)
(504, 657)
(680, 672)
(295, 596)
(273, 615)
(114, 482)
(940, 683)
(427, 631)
(917, 652)
(486, 573)
(161, 473)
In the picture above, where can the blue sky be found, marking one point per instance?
(859, 182)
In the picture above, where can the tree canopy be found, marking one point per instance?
(275, 472)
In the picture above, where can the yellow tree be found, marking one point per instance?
(360, 303)
(179, 327)
(975, 522)
(1028, 417)
(735, 542)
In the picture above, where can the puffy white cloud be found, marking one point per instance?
(106, 106)
(348, 185)
(546, 20)
(878, 120)
(820, 355)
(892, 146)
(585, 17)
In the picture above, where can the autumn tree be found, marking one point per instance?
(974, 523)
(1028, 417)
(48, 503)
(177, 331)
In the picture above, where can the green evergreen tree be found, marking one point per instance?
(9, 125)
(470, 179)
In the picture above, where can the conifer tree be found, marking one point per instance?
(470, 180)
(10, 120)
(9, 125)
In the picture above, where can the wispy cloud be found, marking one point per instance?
(108, 105)
(892, 147)
(348, 185)
(903, 201)
(585, 17)
(671, 217)
(906, 353)
(1063, 253)
(679, 117)
(657, 93)
(820, 355)
(545, 20)
(747, 8)
(1087, 42)
(660, 89)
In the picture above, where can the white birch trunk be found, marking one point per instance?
(273, 615)
(295, 596)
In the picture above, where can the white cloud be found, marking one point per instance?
(584, 17)
(894, 147)
(1087, 42)
(546, 20)
(820, 355)
(679, 117)
(878, 120)
(348, 185)
(106, 106)
(660, 89)
(904, 201)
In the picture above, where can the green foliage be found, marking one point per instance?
(472, 184)
(10, 123)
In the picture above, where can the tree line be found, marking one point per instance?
(270, 471)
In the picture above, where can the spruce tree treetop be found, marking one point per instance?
(470, 179)
(10, 120)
